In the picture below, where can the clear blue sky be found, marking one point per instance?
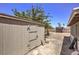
(60, 12)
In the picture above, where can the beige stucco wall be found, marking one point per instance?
(78, 34)
(75, 28)
(15, 39)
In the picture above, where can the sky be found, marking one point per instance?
(59, 12)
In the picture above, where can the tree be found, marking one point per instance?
(36, 14)
(22, 14)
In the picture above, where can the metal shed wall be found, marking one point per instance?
(17, 37)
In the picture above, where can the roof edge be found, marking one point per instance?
(75, 11)
(20, 19)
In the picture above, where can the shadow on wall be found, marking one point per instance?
(65, 47)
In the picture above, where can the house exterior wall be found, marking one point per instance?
(75, 32)
(18, 37)
(78, 34)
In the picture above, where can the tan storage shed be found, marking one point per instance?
(18, 36)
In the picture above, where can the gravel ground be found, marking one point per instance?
(53, 47)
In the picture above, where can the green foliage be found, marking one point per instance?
(35, 13)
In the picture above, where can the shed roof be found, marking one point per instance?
(2, 15)
(74, 18)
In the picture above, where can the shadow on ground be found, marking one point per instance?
(65, 47)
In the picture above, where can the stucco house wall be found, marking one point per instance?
(74, 25)
(78, 34)
(19, 37)
(75, 32)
